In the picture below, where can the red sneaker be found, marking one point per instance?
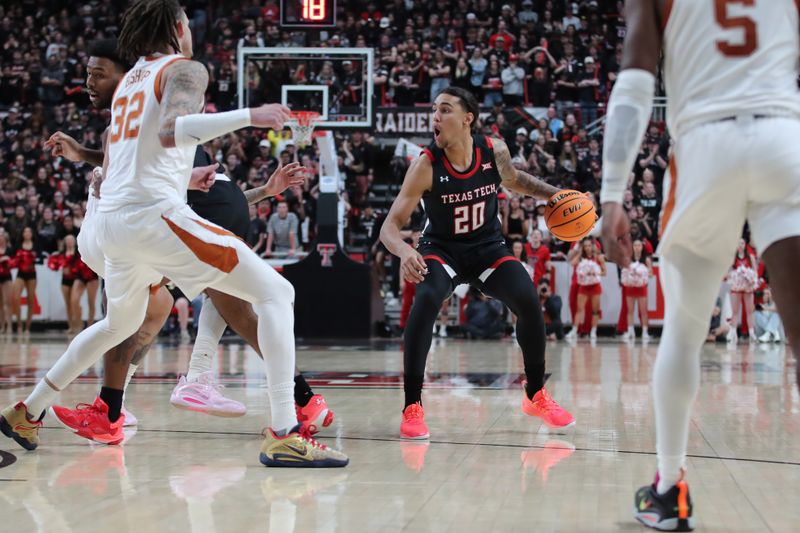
(413, 425)
(91, 422)
(542, 405)
(315, 415)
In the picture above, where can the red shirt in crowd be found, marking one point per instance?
(538, 259)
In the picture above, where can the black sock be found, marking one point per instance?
(413, 388)
(302, 392)
(113, 399)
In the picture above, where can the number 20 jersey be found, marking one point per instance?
(462, 206)
(723, 58)
(140, 171)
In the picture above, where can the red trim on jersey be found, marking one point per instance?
(430, 155)
(503, 260)
(469, 173)
(667, 12)
(157, 81)
(434, 258)
(489, 139)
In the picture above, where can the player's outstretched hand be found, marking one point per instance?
(202, 178)
(62, 145)
(272, 116)
(285, 177)
(617, 234)
(413, 266)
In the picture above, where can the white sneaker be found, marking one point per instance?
(443, 332)
(732, 338)
(751, 336)
(766, 337)
(593, 335)
(572, 335)
(646, 336)
(130, 420)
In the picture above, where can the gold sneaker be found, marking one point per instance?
(298, 450)
(15, 423)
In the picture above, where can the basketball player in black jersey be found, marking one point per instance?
(458, 178)
(224, 204)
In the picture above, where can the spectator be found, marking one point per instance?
(588, 84)
(551, 305)
(513, 77)
(718, 328)
(539, 256)
(484, 317)
(462, 75)
(768, 321)
(257, 231)
(493, 83)
(515, 223)
(479, 65)
(439, 72)
(282, 231)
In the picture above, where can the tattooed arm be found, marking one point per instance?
(184, 86)
(517, 180)
(183, 125)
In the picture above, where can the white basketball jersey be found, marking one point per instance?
(141, 171)
(725, 57)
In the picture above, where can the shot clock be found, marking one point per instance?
(308, 13)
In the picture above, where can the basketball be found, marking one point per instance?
(570, 215)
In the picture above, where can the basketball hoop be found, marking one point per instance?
(302, 125)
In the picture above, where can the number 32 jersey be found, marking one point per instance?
(462, 206)
(728, 57)
(140, 171)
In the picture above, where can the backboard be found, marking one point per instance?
(335, 82)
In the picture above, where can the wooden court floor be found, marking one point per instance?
(487, 467)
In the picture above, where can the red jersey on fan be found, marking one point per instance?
(538, 259)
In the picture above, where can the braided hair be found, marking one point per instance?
(149, 26)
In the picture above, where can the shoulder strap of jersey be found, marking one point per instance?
(162, 68)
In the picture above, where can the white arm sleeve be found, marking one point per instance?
(629, 111)
(191, 130)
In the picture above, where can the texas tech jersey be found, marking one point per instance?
(724, 57)
(462, 206)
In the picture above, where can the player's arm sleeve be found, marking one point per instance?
(199, 128)
(629, 111)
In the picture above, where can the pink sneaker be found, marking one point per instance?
(413, 425)
(130, 420)
(203, 396)
(315, 415)
(545, 407)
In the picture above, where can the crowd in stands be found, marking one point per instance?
(558, 57)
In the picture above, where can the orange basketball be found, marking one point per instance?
(570, 215)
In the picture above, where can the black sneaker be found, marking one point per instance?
(668, 512)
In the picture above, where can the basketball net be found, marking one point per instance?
(302, 125)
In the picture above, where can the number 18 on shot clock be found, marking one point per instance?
(308, 13)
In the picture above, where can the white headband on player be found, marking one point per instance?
(629, 111)
(191, 130)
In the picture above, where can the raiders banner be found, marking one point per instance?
(405, 121)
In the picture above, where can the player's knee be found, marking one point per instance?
(428, 298)
(159, 306)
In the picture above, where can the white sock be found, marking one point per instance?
(594, 330)
(131, 371)
(644, 331)
(210, 328)
(690, 288)
(752, 333)
(40, 399)
(631, 331)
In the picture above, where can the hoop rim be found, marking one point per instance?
(305, 118)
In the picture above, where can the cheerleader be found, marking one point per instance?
(25, 259)
(69, 272)
(743, 278)
(590, 267)
(5, 284)
(635, 279)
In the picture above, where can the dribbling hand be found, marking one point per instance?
(617, 234)
(272, 116)
(62, 145)
(413, 266)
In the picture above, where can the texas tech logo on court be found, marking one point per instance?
(326, 251)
